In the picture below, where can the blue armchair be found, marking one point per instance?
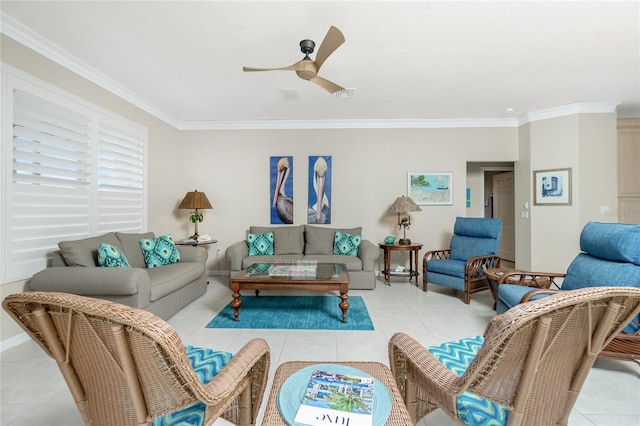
(610, 256)
(474, 243)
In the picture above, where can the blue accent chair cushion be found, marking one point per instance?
(206, 363)
(618, 242)
(472, 409)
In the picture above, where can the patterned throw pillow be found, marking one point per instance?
(346, 244)
(111, 257)
(159, 251)
(260, 244)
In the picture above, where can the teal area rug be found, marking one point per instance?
(296, 313)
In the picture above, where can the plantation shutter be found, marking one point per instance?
(120, 177)
(50, 183)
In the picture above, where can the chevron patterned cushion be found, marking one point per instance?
(206, 363)
(472, 409)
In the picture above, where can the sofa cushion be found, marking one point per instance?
(353, 263)
(319, 240)
(346, 244)
(130, 243)
(159, 251)
(111, 257)
(172, 277)
(286, 239)
(618, 242)
(260, 244)
(85, 252)
(588, 271)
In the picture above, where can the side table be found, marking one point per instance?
(496, 276)
(412, 248)
(398, 416)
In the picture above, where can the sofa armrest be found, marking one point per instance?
(235, 253)
(368, 253)
(93, 281)
(193, 254)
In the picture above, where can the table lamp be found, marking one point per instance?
(193, 201)
(402, 205)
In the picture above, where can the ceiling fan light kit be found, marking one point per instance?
(306, 68)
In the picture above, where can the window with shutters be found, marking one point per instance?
(70, 170)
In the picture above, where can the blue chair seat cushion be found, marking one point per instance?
(472, 409)
(206, 363)
(509, 295)
(447, 267)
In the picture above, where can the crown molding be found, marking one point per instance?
(570, 109)
(34, 41)
(18, 32)
(349, 124)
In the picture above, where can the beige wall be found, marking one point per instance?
(369, 171)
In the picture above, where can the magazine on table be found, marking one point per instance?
(336, 399)
(305, 269)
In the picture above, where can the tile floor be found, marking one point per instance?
(33, 392)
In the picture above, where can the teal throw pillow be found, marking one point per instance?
(159, 251)
(260, 244)
(111, 257)
(346, 244)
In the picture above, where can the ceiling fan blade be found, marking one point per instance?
(331, 42)
(248, 69)
(326, 84)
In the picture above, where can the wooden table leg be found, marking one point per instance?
(387, 265)
(236, 302)
(344, 305)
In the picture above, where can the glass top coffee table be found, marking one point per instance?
(303, 275)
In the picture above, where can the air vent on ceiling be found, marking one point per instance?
(344, 93)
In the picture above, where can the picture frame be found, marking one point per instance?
(552, 187)
(430, 188)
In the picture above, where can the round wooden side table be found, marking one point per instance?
(412, 248)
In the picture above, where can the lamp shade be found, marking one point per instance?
(403, 205)
(195, 200)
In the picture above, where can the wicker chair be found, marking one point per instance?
(528, 368)
(474, 243)
(610, 255)
(125, 366)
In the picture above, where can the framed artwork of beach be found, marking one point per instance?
(430, 188)
(552, 187)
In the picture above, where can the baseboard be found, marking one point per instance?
(14, 341)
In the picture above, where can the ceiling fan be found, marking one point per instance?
(308, 69)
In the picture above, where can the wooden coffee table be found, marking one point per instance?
(398, 415)
(328, 277)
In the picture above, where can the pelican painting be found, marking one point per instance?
(282, 206)
(319, 189)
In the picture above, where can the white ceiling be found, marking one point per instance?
(182, 60)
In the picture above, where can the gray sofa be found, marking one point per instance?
(306, 242)
(162, 290)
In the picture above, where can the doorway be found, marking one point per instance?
(500, 204)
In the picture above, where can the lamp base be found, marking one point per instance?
(194, 237)
(404, 241)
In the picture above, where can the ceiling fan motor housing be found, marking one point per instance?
(307, 46)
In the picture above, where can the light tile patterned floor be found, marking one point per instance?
(33, 392)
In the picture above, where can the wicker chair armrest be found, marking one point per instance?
(435, 254)
(527, 297)
(250, 362)
(532, 279)
(413, 363)
(475, 264)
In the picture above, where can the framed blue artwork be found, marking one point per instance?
(281, 194)
(319, 210)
